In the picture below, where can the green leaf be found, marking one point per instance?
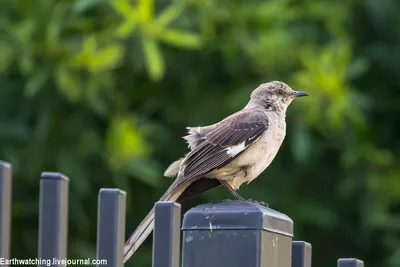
(90, 45)
(128, 26)
(68, 83)
(107, 58)
(82, 58)
(26, 64)
(125, 142)
(56, 23)
(123, 7)
(154, 59)
(95, 96)
(36, 82)
(170, 14)
(180, 39)
(146, 9)
(81, 6)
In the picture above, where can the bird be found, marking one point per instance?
(231, 152)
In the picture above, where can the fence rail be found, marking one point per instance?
(227, 233)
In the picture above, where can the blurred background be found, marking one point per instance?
(102, 90)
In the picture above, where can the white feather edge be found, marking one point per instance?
(234, 150)
(194, 135)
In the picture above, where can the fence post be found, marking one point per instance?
(166, 236)
(111, 227)
(236, 234)
(350, 262)
(301, 254)
(53, 219)
(5, 209)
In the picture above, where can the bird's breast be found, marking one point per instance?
(260, 154)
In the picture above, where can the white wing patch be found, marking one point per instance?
(234, 150)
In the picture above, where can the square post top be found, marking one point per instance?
(237, 215)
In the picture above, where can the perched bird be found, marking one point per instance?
(231, 152)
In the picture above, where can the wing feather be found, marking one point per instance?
(213, 153)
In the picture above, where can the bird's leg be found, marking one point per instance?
(239, 197)
(230, 189)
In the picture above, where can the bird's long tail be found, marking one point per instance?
(172, 194)
(147, 225)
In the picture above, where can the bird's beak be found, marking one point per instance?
(299, 94)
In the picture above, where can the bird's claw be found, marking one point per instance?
(262, 203)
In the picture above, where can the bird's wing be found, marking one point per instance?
(224, 143)
(196, 135)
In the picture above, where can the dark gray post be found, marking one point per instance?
(111, 227)
(350, 262)
(53, 218)
(236, 234)
(301, 254)
(5, 209)
(166, 236)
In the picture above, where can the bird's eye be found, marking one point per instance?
(279, 92)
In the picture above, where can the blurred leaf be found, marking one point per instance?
(56, 23)
(68, 83)
(125, 142)
(26, 64)
(146, 9)
(84, 57)
(82, 6)
(96, 100)
(107, 58)
(123, 7)
(36, 82)
(24, 30)
(154, 59)
(180, 39)
(170, 14)
(128, 26)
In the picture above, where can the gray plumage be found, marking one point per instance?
(233, 151)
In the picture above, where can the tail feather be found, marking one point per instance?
(147, 225)
(139, 236)
(173, 169)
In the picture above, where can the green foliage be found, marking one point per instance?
(102, 90)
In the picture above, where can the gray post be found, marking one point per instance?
(301, 254)
(350, 262)
(53, 219)
(111, 227)
(5, 209)
(166, 236)
(236, 234)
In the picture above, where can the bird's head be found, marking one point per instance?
(274, 96)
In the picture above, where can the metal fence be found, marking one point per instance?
(226, 233)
